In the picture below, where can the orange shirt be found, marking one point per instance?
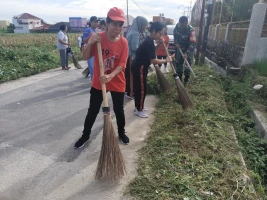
(160, 50)
(114, 54)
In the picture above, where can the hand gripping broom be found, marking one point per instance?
(187, 63)
(110, 164)
(183, 95)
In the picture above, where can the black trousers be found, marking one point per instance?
(129, 77)
(160, 58)
(94, 107)
(140, 87)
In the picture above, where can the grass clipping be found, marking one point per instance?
(192, 155)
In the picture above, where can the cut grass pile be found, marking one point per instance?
(193, 155)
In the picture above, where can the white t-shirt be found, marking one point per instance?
(62, 36)
(80, 40)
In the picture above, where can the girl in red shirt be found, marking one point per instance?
(114, 51)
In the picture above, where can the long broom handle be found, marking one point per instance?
(167, 53)
(101, 67)
(187, 63)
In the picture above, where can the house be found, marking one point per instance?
(4, 24)
(163, 19)
(55, 27)
(25, 22)
(41, 29)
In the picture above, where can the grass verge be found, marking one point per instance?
(193, 155)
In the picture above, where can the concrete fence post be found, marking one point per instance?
(217, 29)
(228, 33)
(254, 33)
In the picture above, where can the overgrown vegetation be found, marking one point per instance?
(239, 93)
(27, 54)
(193, 154)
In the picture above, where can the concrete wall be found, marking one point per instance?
(262, 48)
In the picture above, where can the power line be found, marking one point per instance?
(140, 8)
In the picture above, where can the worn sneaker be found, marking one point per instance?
(166, 69)
(82, 141)
(129, 97)
(144, 109)
(124, 139)
(141, 114)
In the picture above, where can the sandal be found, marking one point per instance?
(64, 68)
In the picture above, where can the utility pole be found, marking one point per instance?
(127, 14)
(199, 40)
(207, 25)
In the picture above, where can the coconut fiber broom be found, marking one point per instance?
(86, 72)
(110, 164)
(183, 95)
(165, 86)
(71, 54)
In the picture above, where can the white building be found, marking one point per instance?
(25, 22)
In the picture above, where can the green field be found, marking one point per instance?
(27, 54)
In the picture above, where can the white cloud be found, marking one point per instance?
(60, 10)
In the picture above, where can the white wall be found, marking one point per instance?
(26, 25)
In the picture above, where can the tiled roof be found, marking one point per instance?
(27, 16)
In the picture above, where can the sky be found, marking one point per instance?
(53, 11)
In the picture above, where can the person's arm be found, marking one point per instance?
(87, 52)
(192, 43)
(108, 77)
(167, 42)
(60, 37)
(86, 35)
(152, 55)
(62, 42)
(157, 61)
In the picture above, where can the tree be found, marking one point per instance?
(43, 22)
(10, 28)
(241, 10)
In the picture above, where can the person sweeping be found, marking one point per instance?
(145, 55)
(114, 51)
(86, 35)
(135, 37)
(184, 39)
(161, 53)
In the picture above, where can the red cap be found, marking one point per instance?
(116, 14)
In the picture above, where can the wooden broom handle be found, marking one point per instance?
(167, 53)
(101, 67)
(187, 63)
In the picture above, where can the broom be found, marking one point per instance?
(86, 72)
(183, 95)
(71, 54)
(187, 63)
(76, 64)
(110, 163)
(165, 86)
